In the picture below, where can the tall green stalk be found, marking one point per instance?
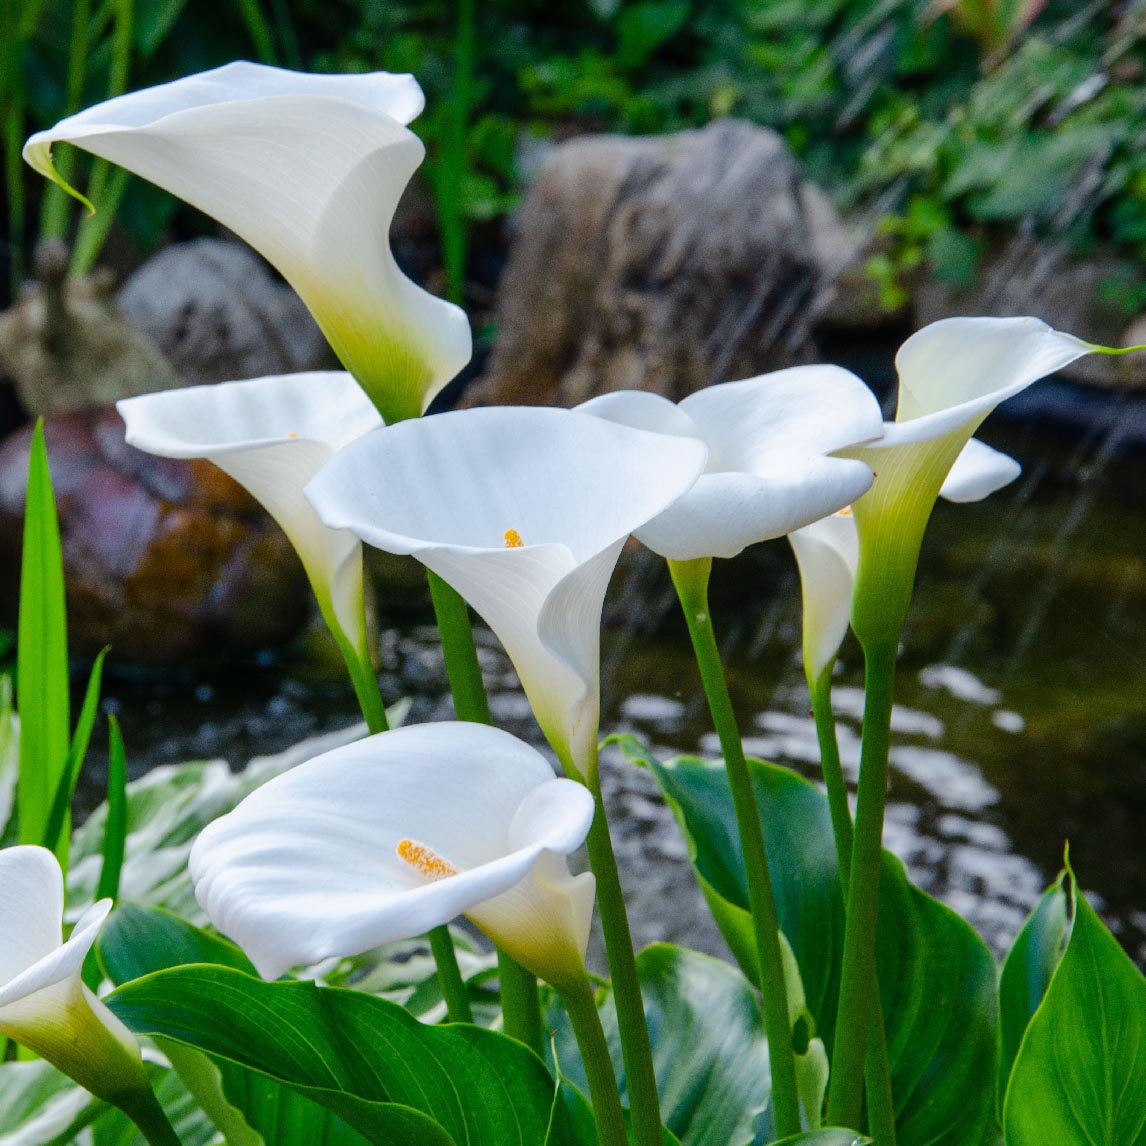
(452, 167)
(54, 216)
(581, 1008)
(640, 1077)
(858, 983)
(520, 1005)
(691, 581)
(880, 1102)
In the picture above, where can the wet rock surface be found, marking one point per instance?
(661, 263)
(65, 345)
(170, 562)
(216, 311)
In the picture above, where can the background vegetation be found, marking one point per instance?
(957, 121)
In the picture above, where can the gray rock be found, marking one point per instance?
(217, 313)
(661, 263)
(66, 347)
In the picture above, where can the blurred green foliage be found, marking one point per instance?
(960, 122)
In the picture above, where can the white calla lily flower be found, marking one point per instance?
(952, 374)
(44, 1004)
(827, 553)
(769, 467)
(272, 435)
(308, 169)
(524, 511)
(390, 836)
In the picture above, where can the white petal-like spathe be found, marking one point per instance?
(957, 370)
(43, 1001)
(767, 471)
(827, 552)
(308, 867)
(272, 435)
(978, 471)
(307, 169)
(572, 487)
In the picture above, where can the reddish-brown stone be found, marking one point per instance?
(167, 561)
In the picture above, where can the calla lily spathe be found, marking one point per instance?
(769, 471)
(827, 553)
(952, 374)
(44, 1004)
(524, 511)
(272, 435)
(390, 836)
(308, 169)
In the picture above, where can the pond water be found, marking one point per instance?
(1021, 689)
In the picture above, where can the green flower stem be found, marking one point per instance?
(581, 1007)
(520, 1006)
(691, 581)
(450, 976)
(877, 1070)
(466, 684)
(858, 985)
(144, 1110)
(640, 1078)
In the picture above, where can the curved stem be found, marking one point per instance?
(640, 1077)
(877, 1070)
(520, 1005)
(858, 985)
(450, 976)
(691, 581)
(582, 1010)
(144, 1110)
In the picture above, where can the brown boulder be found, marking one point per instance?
(167, 561)
(662, 263)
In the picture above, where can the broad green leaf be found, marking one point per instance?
(709, 1049)
(831, 1137)
(1080, 1074)
(115, 828)
(807, 889)
(371, 1062)
(937, 978)
(41, 656)
(38, 1104)
(60, 817)
(247, 1107)
(1026, 974)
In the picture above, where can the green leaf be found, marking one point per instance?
(796, 822)
(60, 815)
(1026, 974)
(371, 1062)
(247, 1107)
(643, 27)
(937, 978)
(115, 829)
(709, 1049)
(38, 1104)
(1080, 1074)
(41, 656)
(830, 1137)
